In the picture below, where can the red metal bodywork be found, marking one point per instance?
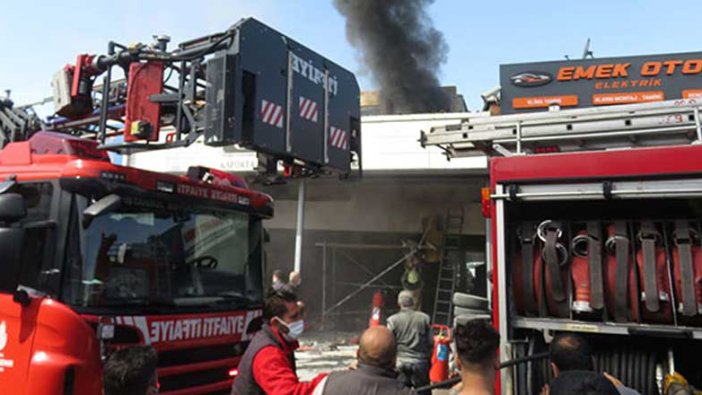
(145, 80)
(17, 160)
(655, 162)
(47, 337)
(564, 167)
(43, 341)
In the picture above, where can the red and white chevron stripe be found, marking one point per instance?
(309, 109)
(271, 113)
(338, 138)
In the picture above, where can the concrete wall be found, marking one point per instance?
(379, 204)
(377, 210)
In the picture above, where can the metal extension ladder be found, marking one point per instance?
(16, 123)
(451, 257)
(673, 122)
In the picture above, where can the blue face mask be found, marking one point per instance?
(295, 328)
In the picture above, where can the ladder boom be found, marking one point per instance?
(672, 122)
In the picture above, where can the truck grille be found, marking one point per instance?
(203, 367)
(194, 379)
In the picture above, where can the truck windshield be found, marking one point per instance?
(165, 256)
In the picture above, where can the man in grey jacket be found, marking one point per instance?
(412, 330)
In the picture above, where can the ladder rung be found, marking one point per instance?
(577, 129)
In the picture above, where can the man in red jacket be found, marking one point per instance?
(268, 365)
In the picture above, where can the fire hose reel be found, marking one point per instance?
(687, 272)
(555, 258)
(586, 270)
(653, 275)
(540, 273)
(619, 271)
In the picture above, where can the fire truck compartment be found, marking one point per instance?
(618, 258)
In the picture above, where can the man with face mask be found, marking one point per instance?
(268, 365)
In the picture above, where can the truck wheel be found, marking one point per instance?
(652, 383)
(638, 367)
(469, 301)
(462, 311)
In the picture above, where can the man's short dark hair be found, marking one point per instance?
(582, 382)
(274, 304)
(278, 274)
(569, 351)
(129, 371)
(476, 342)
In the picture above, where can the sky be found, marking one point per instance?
(39, 37)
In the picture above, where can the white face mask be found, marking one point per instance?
(295, 329)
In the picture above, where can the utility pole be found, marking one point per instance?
(300, 224)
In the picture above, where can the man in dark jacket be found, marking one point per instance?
(412, 330)
(268, 365)
(570, 351)
(375, 374)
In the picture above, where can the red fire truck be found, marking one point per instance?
(593, 220)
(98, 256)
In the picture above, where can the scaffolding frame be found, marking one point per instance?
(334, 248)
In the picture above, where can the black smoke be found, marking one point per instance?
(402, 50)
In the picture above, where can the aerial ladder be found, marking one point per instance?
(16, 123)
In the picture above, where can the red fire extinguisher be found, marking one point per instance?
(376, 309)
(440, 356)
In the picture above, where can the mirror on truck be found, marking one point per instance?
(12, 209)
(103, 206)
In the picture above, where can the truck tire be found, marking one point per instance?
(616, 368)
(461, 319)
(458, 311)
(638, 371)
(470, 301)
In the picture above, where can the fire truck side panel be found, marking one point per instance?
(520, 186)
(62, 354)
(676, 160)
